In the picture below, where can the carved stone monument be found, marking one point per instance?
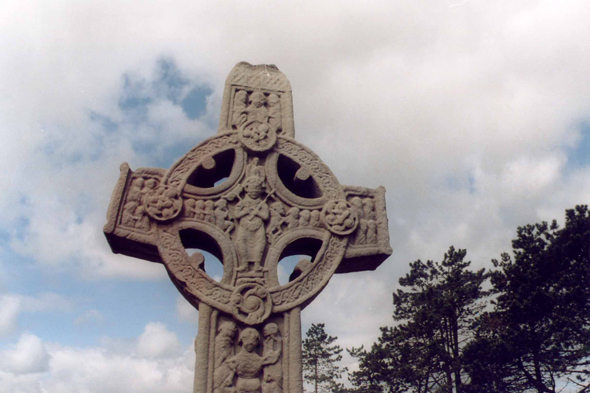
(250, 195)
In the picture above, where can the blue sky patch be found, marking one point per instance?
(579, 156)
(194, 104)
(460, 182)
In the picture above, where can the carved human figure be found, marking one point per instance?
(239, 115)
(371, 232)
(247, 364)
(224, 350)
(274, 111)
(189, 208)
(254, 169)
(133, 211)
(256, 109)
(143, 222)
(272, 378)
(129, 219)
(277, 211)
(135, 192)
(369, 209)
(250, 236)
(292, 219)
(369, 213)
(222, 216)
(314, 220)
(200, 210)
(304, 218)
(209, 213)
(361, 232)
(150, 184)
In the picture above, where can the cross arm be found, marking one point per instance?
(369, 245)
(128, 229)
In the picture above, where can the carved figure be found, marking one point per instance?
(361, 232)
(150, 184)
(253, 169)
(200, 210)
(221, 216)
(256, 109)
(189, 208)
(209, 214)
(272, 378)
(129, 219)
(239, 115)
(371, 232)
(292, 219)
(250, 237)
(133, 210)
(247, 364)
(304, 218)
(143, 222)
(314, 220)
(224, 350)
(277, 210)
(369, 209)
(135, 192)
(274, 111)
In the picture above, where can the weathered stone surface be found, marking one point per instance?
(250, 195)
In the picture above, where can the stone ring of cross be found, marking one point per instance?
(250, 221)
(250, 227)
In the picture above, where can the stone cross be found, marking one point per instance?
(251, 195)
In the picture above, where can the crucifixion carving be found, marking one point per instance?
(251, 195)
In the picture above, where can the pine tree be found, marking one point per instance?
(539, 333)
(436, 308)
(320, 360)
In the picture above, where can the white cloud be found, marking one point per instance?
(157, 341)
(27, 356)
(12, 305)
(31, 365)
(10, 308)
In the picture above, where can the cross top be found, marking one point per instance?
(251, 195)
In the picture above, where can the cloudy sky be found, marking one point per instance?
(475, 115)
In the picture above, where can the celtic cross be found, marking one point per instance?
(251, 195)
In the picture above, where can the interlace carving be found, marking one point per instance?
(163, 203)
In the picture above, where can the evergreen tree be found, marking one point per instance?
(320, 360)
(539, 334)
(436, 308)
